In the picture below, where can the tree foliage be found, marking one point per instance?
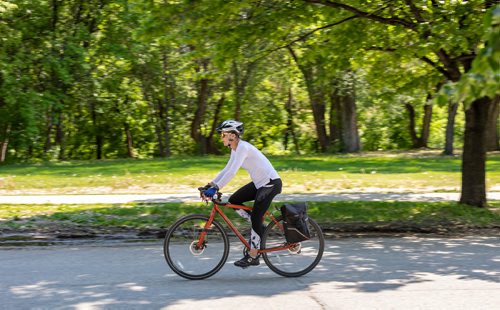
(130, 78)
(483, 79)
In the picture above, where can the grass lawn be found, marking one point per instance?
(375, 172)
(161, 216)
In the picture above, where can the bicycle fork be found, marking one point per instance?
(201, 239)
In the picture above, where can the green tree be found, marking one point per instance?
(446, 36)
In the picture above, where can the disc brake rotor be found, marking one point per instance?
(196, 250)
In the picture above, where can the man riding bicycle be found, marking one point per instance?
(265, 185)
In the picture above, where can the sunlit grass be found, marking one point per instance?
(300, 174)
(161, 216)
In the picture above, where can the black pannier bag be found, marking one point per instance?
(295, 222)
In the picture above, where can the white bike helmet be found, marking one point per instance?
(230, 125)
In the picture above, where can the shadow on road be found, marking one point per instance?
(136, 276)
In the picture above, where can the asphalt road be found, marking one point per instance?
(355, 273)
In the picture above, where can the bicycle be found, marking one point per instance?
(197, 246)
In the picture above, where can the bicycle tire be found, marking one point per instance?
(293, 262)
(187, 261)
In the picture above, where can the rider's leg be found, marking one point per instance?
(263, 200)
(244, 194)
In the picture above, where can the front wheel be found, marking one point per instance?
(292, 261)
(183, 254)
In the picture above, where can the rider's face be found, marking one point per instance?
(224, 137)
(227, 138)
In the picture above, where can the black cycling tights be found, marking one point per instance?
(263, 198)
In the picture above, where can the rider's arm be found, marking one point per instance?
(234, 164)
(223, 171)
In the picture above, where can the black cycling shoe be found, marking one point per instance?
(247, 261)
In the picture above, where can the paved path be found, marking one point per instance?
(94, 199)
(356, 273)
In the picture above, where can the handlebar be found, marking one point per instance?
(215, 199)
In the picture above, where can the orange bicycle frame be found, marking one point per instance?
(216, 209)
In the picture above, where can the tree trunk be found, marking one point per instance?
(2, 99)
(168, 102)
(289, 124)
(492, 135)
(422, 140)
(474, 154)
(210, 144)
(335, 122)
(153, 102)
(426, 126)
(350, 136)
(126, 127)
(4, 143)
(240, 84)
(158, 128)
(318, 108)
(60, 136)
(3, 149)
(4, 136)
(450, 128)
(130, 142)
(201, 103)
(343, 114)
(97, 131)
(48, 132)
(317, 99)
(411, 125)
(55, 80)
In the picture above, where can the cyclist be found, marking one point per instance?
(265, 185)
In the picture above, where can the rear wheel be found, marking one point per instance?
(183, 254)
(297, 260)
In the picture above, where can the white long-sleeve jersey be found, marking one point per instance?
(251, 159)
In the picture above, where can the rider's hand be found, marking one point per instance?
(210, 192)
